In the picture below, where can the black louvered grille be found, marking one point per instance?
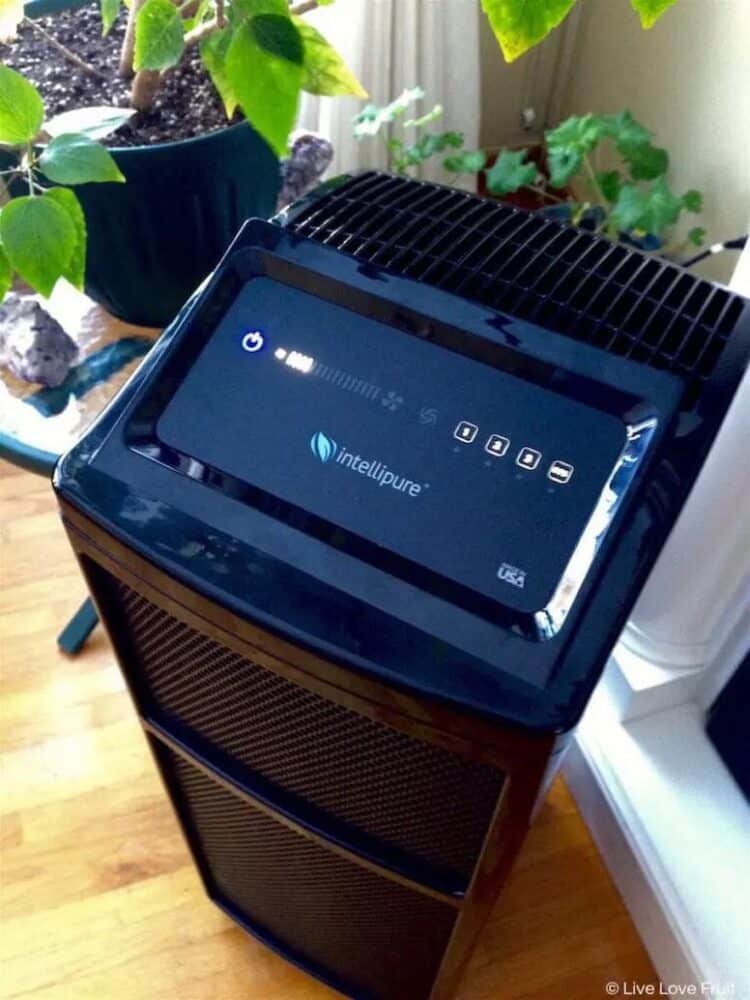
(382, 938)
(585, 287)
(420, 799)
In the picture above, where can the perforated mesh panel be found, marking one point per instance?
(560, 277)
(417, 798)
(382, 938)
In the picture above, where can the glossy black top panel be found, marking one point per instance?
(441, 460)
(221, 465)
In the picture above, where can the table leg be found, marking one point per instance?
(72, 638)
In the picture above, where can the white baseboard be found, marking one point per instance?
(674, 831)
(667, 951)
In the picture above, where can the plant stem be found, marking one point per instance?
(29, 172)
(70, 56)
(128, 43)
(579, 211)
(303, 7)
(146, 83)
(544, 193)
(216, 23)
(202, 31)
(145, 88)
(598, 194)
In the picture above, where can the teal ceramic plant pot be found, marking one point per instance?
(152, 240)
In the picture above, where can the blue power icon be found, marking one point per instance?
(253, 341)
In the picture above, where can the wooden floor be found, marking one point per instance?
(99, 899)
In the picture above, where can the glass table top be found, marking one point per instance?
(50, 420)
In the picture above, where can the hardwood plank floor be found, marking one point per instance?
(98, 897)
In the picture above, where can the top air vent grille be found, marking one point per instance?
(585, 287)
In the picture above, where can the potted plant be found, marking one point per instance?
(190, 182)
(631, 200)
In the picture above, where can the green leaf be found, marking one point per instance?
(96, 122)
(697, 236)
(663, 209)
(21, 109)
(581, 131)
(650, 10)
(645, 162)
(76, 159)
(467, 162)
(563, 162)
(11, 15)
(279, 36)
(325, 73)
(372, 118)
(6, 274)
(76, 267)
(609, 182)
(109, 10)
(214, 54)
(520, 24)
(249, 8)
(427, 146)
(39, 240)
(693, 201)
(630, 207)
(159, 37)
(625, 130)
(570, 142)
(509, 172)
(649, 210)
(267, 86)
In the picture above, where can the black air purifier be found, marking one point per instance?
(364, 528)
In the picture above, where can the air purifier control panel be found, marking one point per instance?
(467, 472)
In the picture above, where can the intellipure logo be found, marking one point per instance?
(323, 447)
(326, 450)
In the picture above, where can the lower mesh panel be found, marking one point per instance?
(409, 795)
(379, 937)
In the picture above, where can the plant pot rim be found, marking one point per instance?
(125, 152)
(51, 7)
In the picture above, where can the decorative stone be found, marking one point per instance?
(310, 156)
(33, 345)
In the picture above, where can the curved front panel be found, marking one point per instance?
(350, 925)
(414, 806)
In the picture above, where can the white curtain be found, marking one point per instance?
(392, 45)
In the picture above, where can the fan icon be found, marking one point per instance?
(392, 401)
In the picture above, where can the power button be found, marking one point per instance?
(253, 341)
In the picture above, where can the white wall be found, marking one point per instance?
(688, 79)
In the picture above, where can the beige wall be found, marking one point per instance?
(501, 89)
(506, 89)
(688, 79)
